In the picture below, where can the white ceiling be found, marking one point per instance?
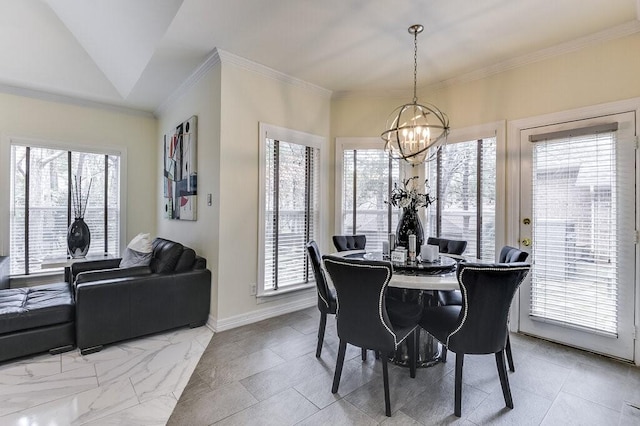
(136, 53)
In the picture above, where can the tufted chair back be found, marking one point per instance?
(510, 254)
(362, 315)
(448, 246)
(349, 242)
(487, 291)
(326, 300)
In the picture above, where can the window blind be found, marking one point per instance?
(464, 180)
(291, 212)
(575, 231)
(366, 187)
(40, 209)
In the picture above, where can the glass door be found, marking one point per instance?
(578, 223)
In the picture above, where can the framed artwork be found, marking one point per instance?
(180, 171)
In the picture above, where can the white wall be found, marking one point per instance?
(248, 98)
(23, 117)
(201, 99)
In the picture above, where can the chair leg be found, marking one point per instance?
(385, 379)
(458, 386)
(364, 354)
(321, 327)
(411, 348)
(504, 379)
(340, 361)
(512, 367)
(443, 354)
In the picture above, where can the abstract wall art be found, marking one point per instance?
(180, 171)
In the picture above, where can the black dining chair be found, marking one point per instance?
(479, 325)
(448, 246)
(349, 242)
(362, 314)
(326, 296)
(508, 254)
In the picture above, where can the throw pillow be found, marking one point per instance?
(138, 252)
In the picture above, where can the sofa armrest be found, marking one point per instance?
(110, 274)
(93, 265)
(4, 272)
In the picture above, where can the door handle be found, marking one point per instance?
(526, 242)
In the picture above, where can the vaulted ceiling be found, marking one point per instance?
(136, 53)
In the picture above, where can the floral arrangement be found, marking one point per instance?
(79, 201)
(408, 196)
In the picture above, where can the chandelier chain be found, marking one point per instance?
(415, 66)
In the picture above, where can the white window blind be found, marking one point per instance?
(291, 212)
(575, 233)
(41, 183)
(366, 187)
(464, 180)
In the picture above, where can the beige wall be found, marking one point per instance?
(597, 74)
(23, 117)
(249, 98)
(601, 73)
(230, 102)
(203, 100)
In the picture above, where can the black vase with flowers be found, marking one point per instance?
(409, 224)
(409, 198)
(78, 233)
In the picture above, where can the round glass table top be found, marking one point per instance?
(442, 265)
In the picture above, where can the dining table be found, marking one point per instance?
(418, 282)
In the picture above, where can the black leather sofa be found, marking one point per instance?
(114, 304)
(4, 272)
(34, 319)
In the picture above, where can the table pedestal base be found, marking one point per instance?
(429, 352)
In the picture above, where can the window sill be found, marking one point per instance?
(273, 295)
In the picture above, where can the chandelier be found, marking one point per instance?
(415, 132)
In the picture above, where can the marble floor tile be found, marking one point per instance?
(27, 369)
(255, 373)
(154, 412)
(78, 408)
(25, 395)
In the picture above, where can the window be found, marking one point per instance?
(42, 179)
(464, 179)
(576, 229)
(290, 216)
(367, 176)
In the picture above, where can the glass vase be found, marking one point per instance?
(409, 224)
(78, 238)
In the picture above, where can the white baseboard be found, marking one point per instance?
(223, 324)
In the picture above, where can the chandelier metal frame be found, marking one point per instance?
(415, 132)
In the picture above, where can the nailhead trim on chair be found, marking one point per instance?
(382, 289)
(464, 293)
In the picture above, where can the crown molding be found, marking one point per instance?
(619, 31)
(210, 62)
(71, 100)
(265, 71)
